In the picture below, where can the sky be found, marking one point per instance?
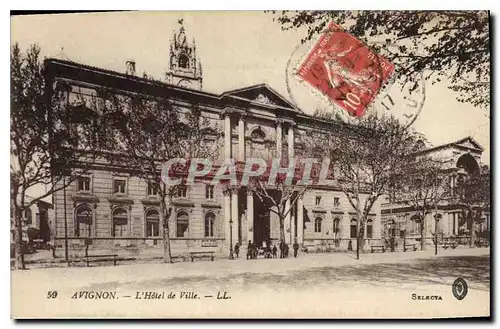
(237, 49)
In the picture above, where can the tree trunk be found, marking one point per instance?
(282, 229)
(18, 238)
(165, 215)
(422, 229)
(361, 237)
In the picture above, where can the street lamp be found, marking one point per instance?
(231, 255)
(437, 217)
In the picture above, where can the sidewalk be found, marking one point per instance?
(83, 276)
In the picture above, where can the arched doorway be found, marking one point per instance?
(261, 223)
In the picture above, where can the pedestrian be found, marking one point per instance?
(275, 252)
(295, 248)
(249, 249)
(282, 249)
(286, 250)
(237, 250)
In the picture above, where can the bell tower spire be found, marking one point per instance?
(184, 67)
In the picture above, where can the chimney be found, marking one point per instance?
(130, 67)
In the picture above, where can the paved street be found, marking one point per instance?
(311, 285)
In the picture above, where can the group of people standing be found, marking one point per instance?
(267, 250)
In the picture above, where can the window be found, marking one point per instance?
(369, 229)
(83, 221)
(209, 225)
(83, 184)
(120, 185)
(336, 202)
(209, 192)
(336, 226)
(120, 220)
(182, 224)
(152, 223)
(354, 228)
(258, 134)
(317, 225)
(181, 191)
(152, 190)
(318, 200)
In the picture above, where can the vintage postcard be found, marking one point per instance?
(250, 164)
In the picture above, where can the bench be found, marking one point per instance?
(179, 258)
(101, 258)
(451, 245)
(202, 254)
(373, 248)
(408, 246)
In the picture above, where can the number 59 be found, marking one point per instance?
(51, 294)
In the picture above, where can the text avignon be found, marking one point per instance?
(94, 295)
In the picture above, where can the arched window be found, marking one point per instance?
(120, 221)
(258, 134)
(182, 224)
(183, 61)
(317, 225)
(336, 227)
(209, 225)
(415, 224)
(83, 221)
(152, 223)
(354, 228)
(369, 229)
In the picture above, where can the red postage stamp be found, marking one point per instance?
(345, 70)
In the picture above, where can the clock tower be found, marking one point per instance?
(184, 68)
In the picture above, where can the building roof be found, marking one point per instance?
(466, 143)
(260, 95)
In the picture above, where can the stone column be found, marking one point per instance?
(227, 215)
(456, 223)
(235, 214)
(279, 137)
(249, 216)
(300, 220)
(227, 136)
(291, 142)
(241, 139)
(287, 222)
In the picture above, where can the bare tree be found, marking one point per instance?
(279, 197)
(49, 136)
(148, 133)
(422, 186)
(365, 157)
(472, 194)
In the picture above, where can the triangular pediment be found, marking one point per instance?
(470, 143)
(262, 94)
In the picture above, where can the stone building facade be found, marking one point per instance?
(120, 212)
(462, 158)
